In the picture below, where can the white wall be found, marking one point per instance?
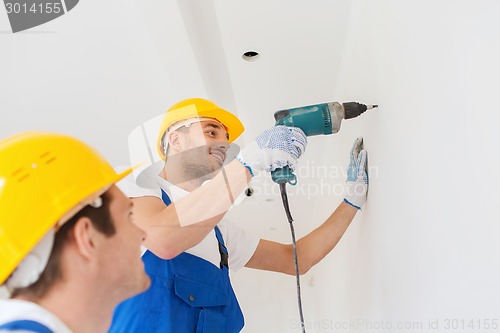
(425, 247)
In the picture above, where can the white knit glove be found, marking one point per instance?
(356, 187)
(275, 148)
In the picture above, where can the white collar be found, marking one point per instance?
(14, 309)
(174, 192)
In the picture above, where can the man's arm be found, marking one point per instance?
(311, 249)
(173, 229)
(316, 245)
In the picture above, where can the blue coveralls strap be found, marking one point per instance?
(188, 294)
(25, 325)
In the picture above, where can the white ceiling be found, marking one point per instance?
(105, 67)
(299, 45)
(108, 66)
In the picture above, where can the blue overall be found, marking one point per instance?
(25, 325)
(187, 295)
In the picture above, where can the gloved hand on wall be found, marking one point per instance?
(276, 147)
(356, 187)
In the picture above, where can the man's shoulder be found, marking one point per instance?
(13, 310)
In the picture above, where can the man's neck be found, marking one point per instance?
(175, 176)
(179, 180)
(79, 308)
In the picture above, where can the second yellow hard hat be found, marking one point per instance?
(43, 177)
(197, 108)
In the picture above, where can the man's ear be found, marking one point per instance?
(174, 141)
(85, 237)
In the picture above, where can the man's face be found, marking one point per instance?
(121, 253)
(203, 148)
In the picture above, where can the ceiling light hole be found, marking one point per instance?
(250, 55)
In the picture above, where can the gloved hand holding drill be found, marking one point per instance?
(357, 177)
(276, 147)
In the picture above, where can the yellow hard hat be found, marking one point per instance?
(43, 176)
(198, 108)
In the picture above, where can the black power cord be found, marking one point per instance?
(284, 197)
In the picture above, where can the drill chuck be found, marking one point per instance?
(353, 109)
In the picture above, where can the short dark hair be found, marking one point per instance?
(101, 220)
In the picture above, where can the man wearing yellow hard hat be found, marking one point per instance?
(69, 251)
(189, 263)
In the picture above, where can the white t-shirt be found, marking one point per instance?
(13, 310)
(240, 245)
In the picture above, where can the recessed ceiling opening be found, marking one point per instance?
(250, 55)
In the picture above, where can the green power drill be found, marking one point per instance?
(316, 119)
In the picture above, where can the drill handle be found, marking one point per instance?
(284, 175)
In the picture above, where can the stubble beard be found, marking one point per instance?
(198, 165)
